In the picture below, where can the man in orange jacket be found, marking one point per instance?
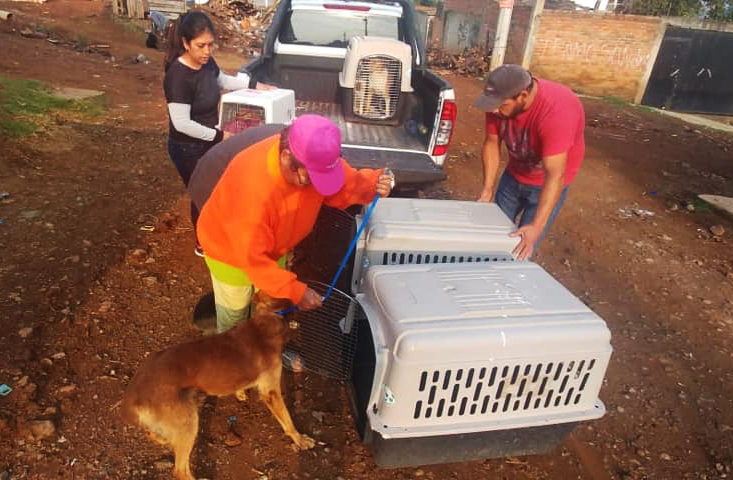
(259, 194)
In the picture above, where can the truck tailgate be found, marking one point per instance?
(408, 167)
(365, 134)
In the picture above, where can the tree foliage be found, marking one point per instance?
(720, 10)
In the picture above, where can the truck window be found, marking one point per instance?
(307, 27)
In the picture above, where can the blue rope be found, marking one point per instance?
(340, 270)
(364, 222)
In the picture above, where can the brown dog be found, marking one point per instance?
(162, 396)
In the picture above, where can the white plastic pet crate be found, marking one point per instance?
(376, 73)
(466, 361)
(246, 108)
(422, 231)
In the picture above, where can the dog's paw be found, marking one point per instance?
(304, 442)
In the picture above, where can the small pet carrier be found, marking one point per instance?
(243, 109)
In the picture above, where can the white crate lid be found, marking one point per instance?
(439, 225)
(262, 98)
(485, 311)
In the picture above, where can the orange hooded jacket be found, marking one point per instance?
(253, 216)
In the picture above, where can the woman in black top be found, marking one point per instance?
(192, 84)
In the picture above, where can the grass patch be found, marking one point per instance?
(615, 101)
(82, 41)
(25, 103)
(645, 108)
(128, 25)
(701, 206)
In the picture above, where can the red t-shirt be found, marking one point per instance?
(554, 124)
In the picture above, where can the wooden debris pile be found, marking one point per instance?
(473, 62)
(240, 25)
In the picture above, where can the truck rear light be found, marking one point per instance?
(357, 8)
(445, 127)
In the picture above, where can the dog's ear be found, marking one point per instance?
(267, 305)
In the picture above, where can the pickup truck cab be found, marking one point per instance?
(310, 48)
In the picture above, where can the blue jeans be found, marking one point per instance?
(516, 198)
(185, 156)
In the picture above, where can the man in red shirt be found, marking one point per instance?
(541, 124)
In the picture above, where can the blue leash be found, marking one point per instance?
(345, 259)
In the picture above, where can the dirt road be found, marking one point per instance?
(99, 294)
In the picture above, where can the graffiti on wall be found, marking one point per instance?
(591, 53)
(468, 31)
(461, 31)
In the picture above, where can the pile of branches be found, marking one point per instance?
(240, 25)
(238, 9)
(473, 62)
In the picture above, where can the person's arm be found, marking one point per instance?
(554, 167)
(229, 82)
(270, 277)
(180, 114)
(490, 159)
(253, 240)
(359, 188)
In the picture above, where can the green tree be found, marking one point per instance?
(706, 9)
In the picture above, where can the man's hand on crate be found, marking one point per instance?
(385, 183)
(529, 234)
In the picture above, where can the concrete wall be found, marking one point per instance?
(472, 23)
(461, 31)
(595, 53)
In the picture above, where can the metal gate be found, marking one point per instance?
(693, 72)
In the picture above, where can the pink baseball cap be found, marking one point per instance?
(315, 141)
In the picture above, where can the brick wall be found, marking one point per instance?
(597, 54)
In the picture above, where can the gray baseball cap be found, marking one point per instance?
(503, 82)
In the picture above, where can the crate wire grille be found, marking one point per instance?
(237, 117)
(377, 87)
(502, 390)
(317, 257)
(325, 337)
(418, 258)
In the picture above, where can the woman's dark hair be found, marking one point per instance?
(188, 26)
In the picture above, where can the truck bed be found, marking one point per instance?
(364, 134)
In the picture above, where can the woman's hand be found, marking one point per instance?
(265, 86)
(227, 135)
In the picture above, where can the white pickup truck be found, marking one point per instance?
(363, 64)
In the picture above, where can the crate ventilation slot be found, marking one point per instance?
(402, 258)
(502, 389)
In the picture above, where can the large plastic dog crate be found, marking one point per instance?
(421, 231)
(375, 81)
(466, 361)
